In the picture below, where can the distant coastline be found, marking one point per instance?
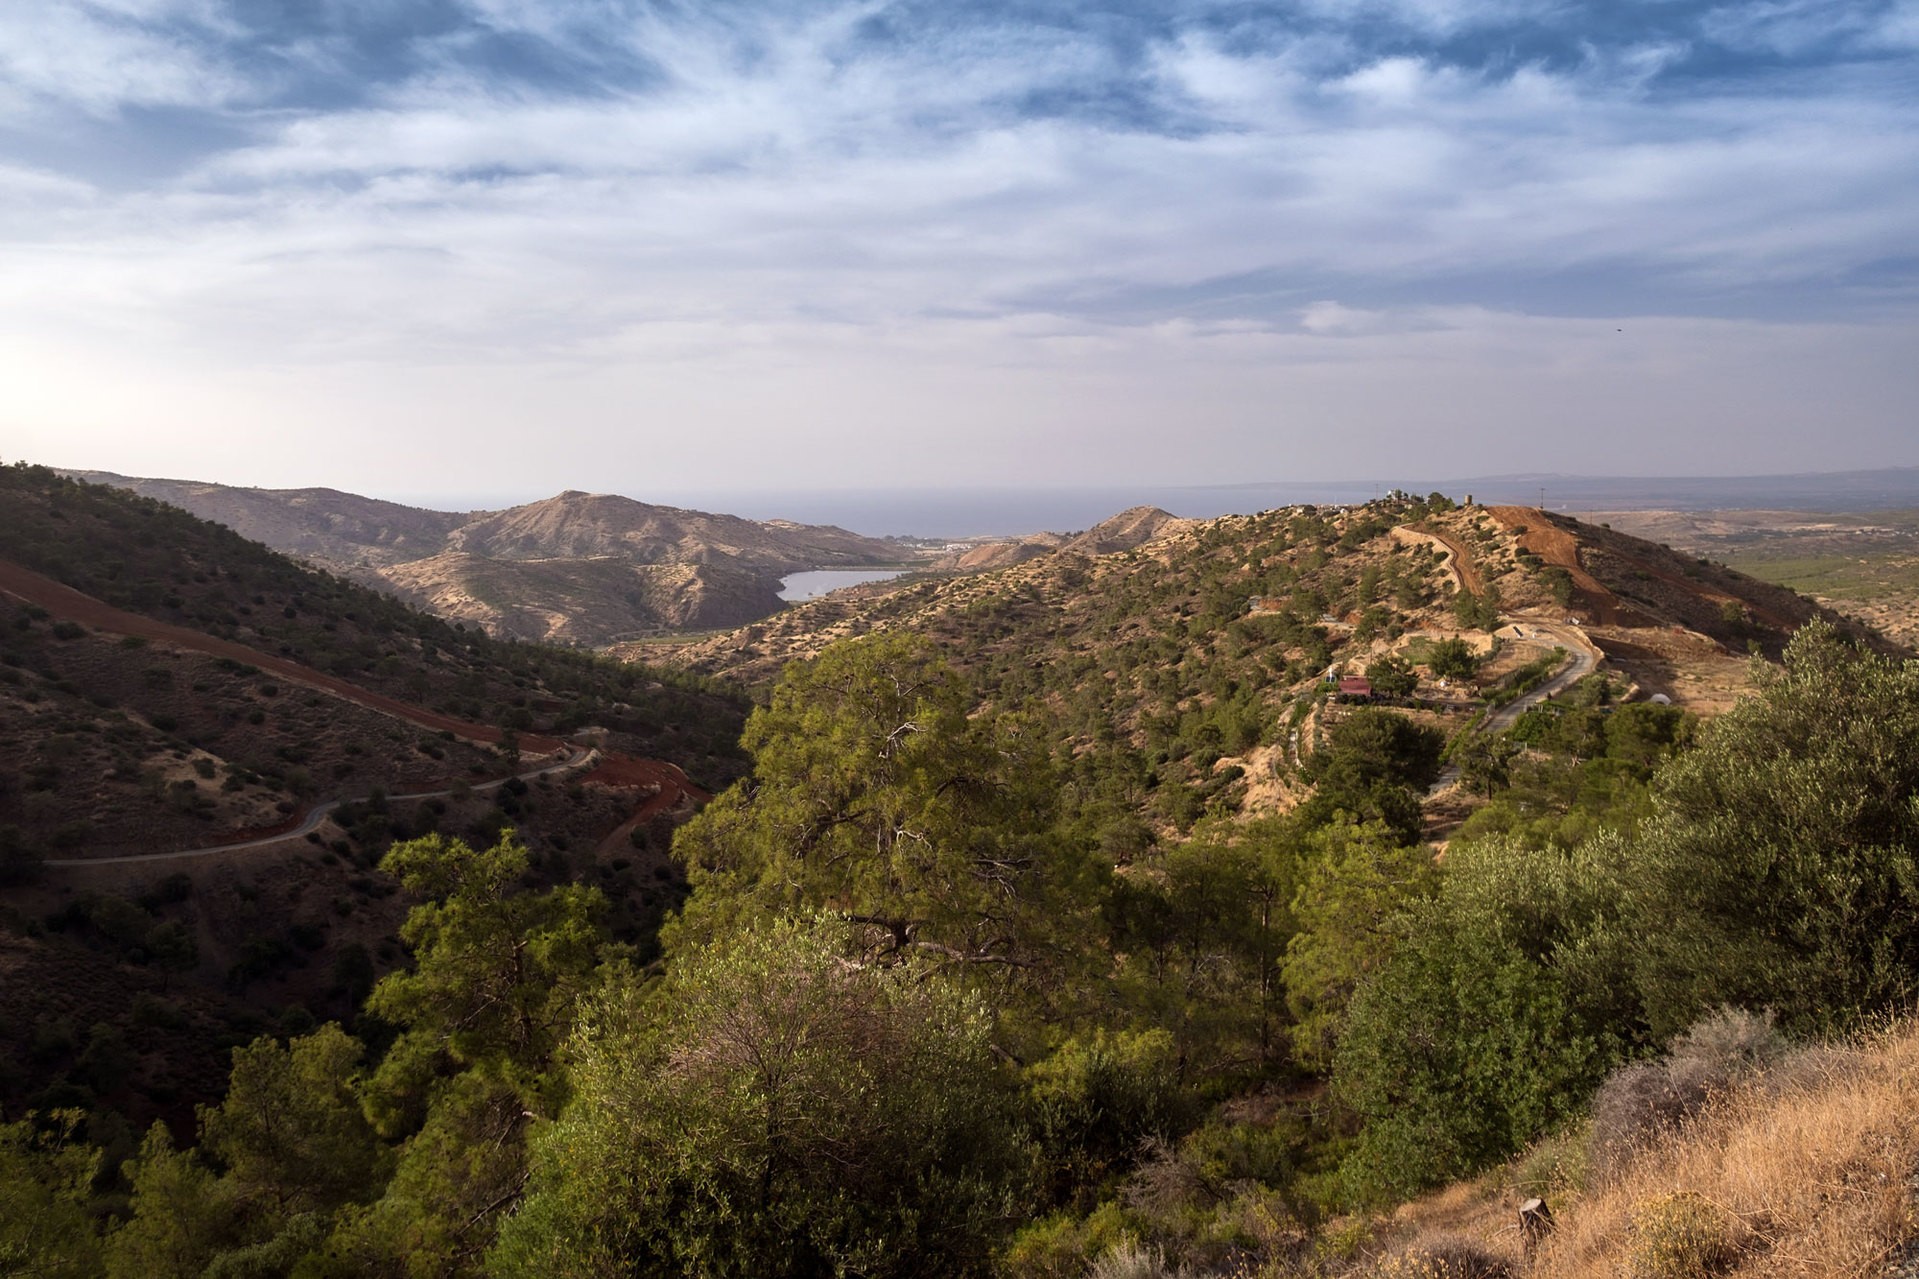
(957, 513)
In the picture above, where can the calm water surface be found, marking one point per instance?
(811, 585)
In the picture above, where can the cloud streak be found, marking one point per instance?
(597, 184)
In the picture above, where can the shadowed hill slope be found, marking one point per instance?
(166, 685)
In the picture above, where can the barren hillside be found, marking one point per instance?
(582, 601)
(577, 525)
(319, 524)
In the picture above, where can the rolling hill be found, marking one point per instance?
(577, 568)
(1197, 651)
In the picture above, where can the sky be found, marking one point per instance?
(517, 246)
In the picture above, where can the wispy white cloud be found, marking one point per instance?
(102, 57)
(712, 188)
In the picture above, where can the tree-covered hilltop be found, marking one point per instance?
(1182, 677)
(911, 1021)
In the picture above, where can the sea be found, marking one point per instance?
(960, 513)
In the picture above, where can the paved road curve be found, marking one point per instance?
(1585, 659)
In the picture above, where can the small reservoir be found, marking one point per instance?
(817, 582)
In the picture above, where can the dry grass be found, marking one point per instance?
(1808, 1170)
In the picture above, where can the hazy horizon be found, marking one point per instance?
(960, 511)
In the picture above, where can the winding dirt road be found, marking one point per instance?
(317, 815)
(672, 787)
(1559, 548)
(1459, 564)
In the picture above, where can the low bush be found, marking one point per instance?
(1646, 1099)
(1443, 1257)
(1682, 1236)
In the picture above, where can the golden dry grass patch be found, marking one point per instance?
(1809, 1172)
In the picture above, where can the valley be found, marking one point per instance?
(206, 749)
(1165, 795)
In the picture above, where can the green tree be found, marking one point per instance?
(1392, 676)
(1452, 658)
(1498, 1011)
(1098, 1097)
(498, 973)
(1360, 879)
(45, 1226)
(1781, 865)
(180, 1215)
(1485, 760)
(778, 1109)
(173, 949)
(497, 970)
(1373, 767)
(290, 1132)
(874, 796)
(1201, 929)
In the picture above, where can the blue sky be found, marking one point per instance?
(515, 246)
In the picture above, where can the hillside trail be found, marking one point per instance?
(317, 815)
(1459, 564)
(62, 601)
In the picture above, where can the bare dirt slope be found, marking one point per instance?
(582, 601)
(1128, 530)
(1559, 547)
(577, 525)
(313, 523)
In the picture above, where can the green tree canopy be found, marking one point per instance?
(776, 1109)
(44, 1179)
(1496, 1014)
(1781, 866)
(290, 1132)
(497, 977)
(875, 797)
(1360, 879)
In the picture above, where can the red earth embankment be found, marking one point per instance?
(669, 786)
(1559, 548)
